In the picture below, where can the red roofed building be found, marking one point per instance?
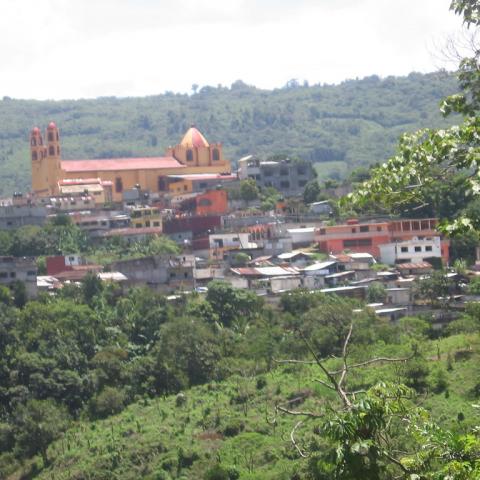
(194, 155)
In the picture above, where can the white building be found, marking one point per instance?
(416, 250)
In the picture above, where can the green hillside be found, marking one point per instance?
(355, 123)
(98, 384)
(229, 426)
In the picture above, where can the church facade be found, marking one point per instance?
(193, 155)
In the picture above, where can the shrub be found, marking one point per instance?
(108, 402)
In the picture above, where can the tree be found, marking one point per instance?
(311, 192)
(248, 190)
(233, 306)
(435, 288)
(38, 423)
(428, 157)
(376, 293)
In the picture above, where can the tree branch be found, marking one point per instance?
(292, 437)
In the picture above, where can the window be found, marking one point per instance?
(361, 242)
(364, 242)
(418, 249)
(322, 231)
(185, 188)
(203, 185)
(428, 248)
(284, 184)
(354, 230)
(34, 156)
(51, 150)
(161, 184)
(379, 229)
(205, 202)
(3, 275)
(364, 228)
(284, 172)
(189, 155)
(13, 274)
(404, 249)
(118, 185)
(50, 136)
(147, 223)
(138, 225)
(33, 142)
(172, 275)
(301, 170)
(185, 274)
(31, 273)
(215, 155)
(302, 183)
(268, 173)
(156, 224)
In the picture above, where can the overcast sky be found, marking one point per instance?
(87, 48)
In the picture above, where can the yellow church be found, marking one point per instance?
(193, 155)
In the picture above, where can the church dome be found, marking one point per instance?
(35, 131)
(193, 138)
(51, 126)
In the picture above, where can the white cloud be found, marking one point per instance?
(88, 48)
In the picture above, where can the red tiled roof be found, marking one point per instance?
(412, 266)
(118, 164)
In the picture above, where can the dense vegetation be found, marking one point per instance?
(355, 123)
(68, 362)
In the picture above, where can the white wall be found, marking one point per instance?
(414, 250)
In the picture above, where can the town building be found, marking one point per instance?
(193, 155)
(15, 215)
(19, 269)
(287, 176)
(367, 237)
(159, 272)
(145, 217)
(416, 250)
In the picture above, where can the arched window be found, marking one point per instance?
(215, 154)
(50, 136)
(118, 185)
(189, 155)
(58, 150)
(34, 156)
(33, 142)
(51, 150)
(57, 136)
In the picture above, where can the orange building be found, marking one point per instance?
(193, 155)
(211, 202)
(366, 237)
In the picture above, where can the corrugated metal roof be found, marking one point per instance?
(341, 274)
(319, 266)
(265, 271)
(288, 255)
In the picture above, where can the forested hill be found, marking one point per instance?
(354, 123)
